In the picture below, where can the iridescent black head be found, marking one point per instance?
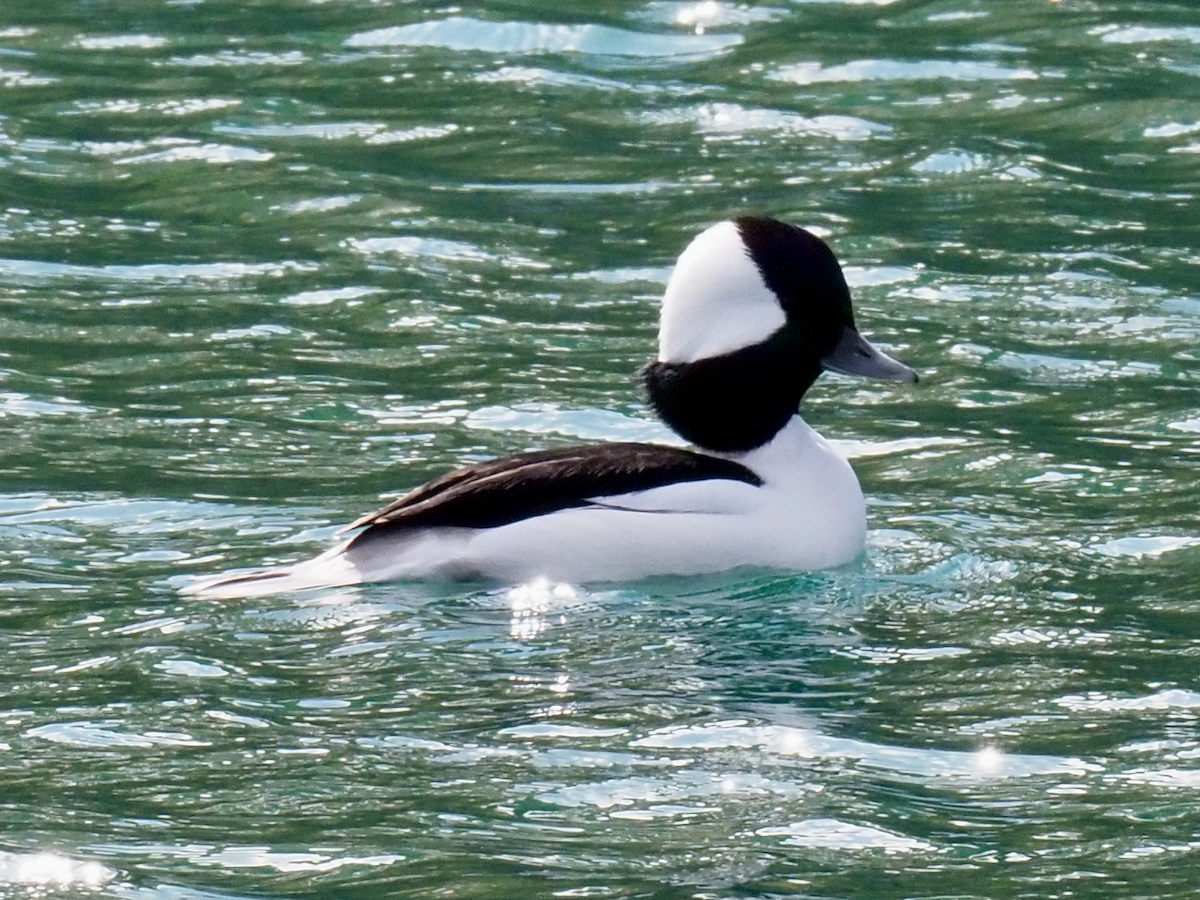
(754, 311)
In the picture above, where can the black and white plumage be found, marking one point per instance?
(754, 311)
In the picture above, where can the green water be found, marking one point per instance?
(263, 264)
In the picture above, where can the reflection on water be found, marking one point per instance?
(532, 605)
(263, 266)
(40, 874)
(520, 38)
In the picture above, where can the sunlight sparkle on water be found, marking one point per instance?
(51, 870)
(989, 760)
(530, 603)
(696, 16)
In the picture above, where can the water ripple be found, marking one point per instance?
(901, 70)
(466, 34)
(986, 763)
(729, 120)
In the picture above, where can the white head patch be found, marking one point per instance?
(716, 301)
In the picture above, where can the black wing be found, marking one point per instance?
(503, 491)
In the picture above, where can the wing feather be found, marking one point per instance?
(502, 491)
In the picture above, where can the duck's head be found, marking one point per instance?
(754, 311)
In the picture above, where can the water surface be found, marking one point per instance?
(264, 265)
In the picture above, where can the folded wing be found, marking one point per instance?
(503, 491)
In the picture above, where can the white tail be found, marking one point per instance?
(330, 569)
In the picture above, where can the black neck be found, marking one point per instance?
(735, 402)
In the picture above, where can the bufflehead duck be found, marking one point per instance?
(754, 311)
